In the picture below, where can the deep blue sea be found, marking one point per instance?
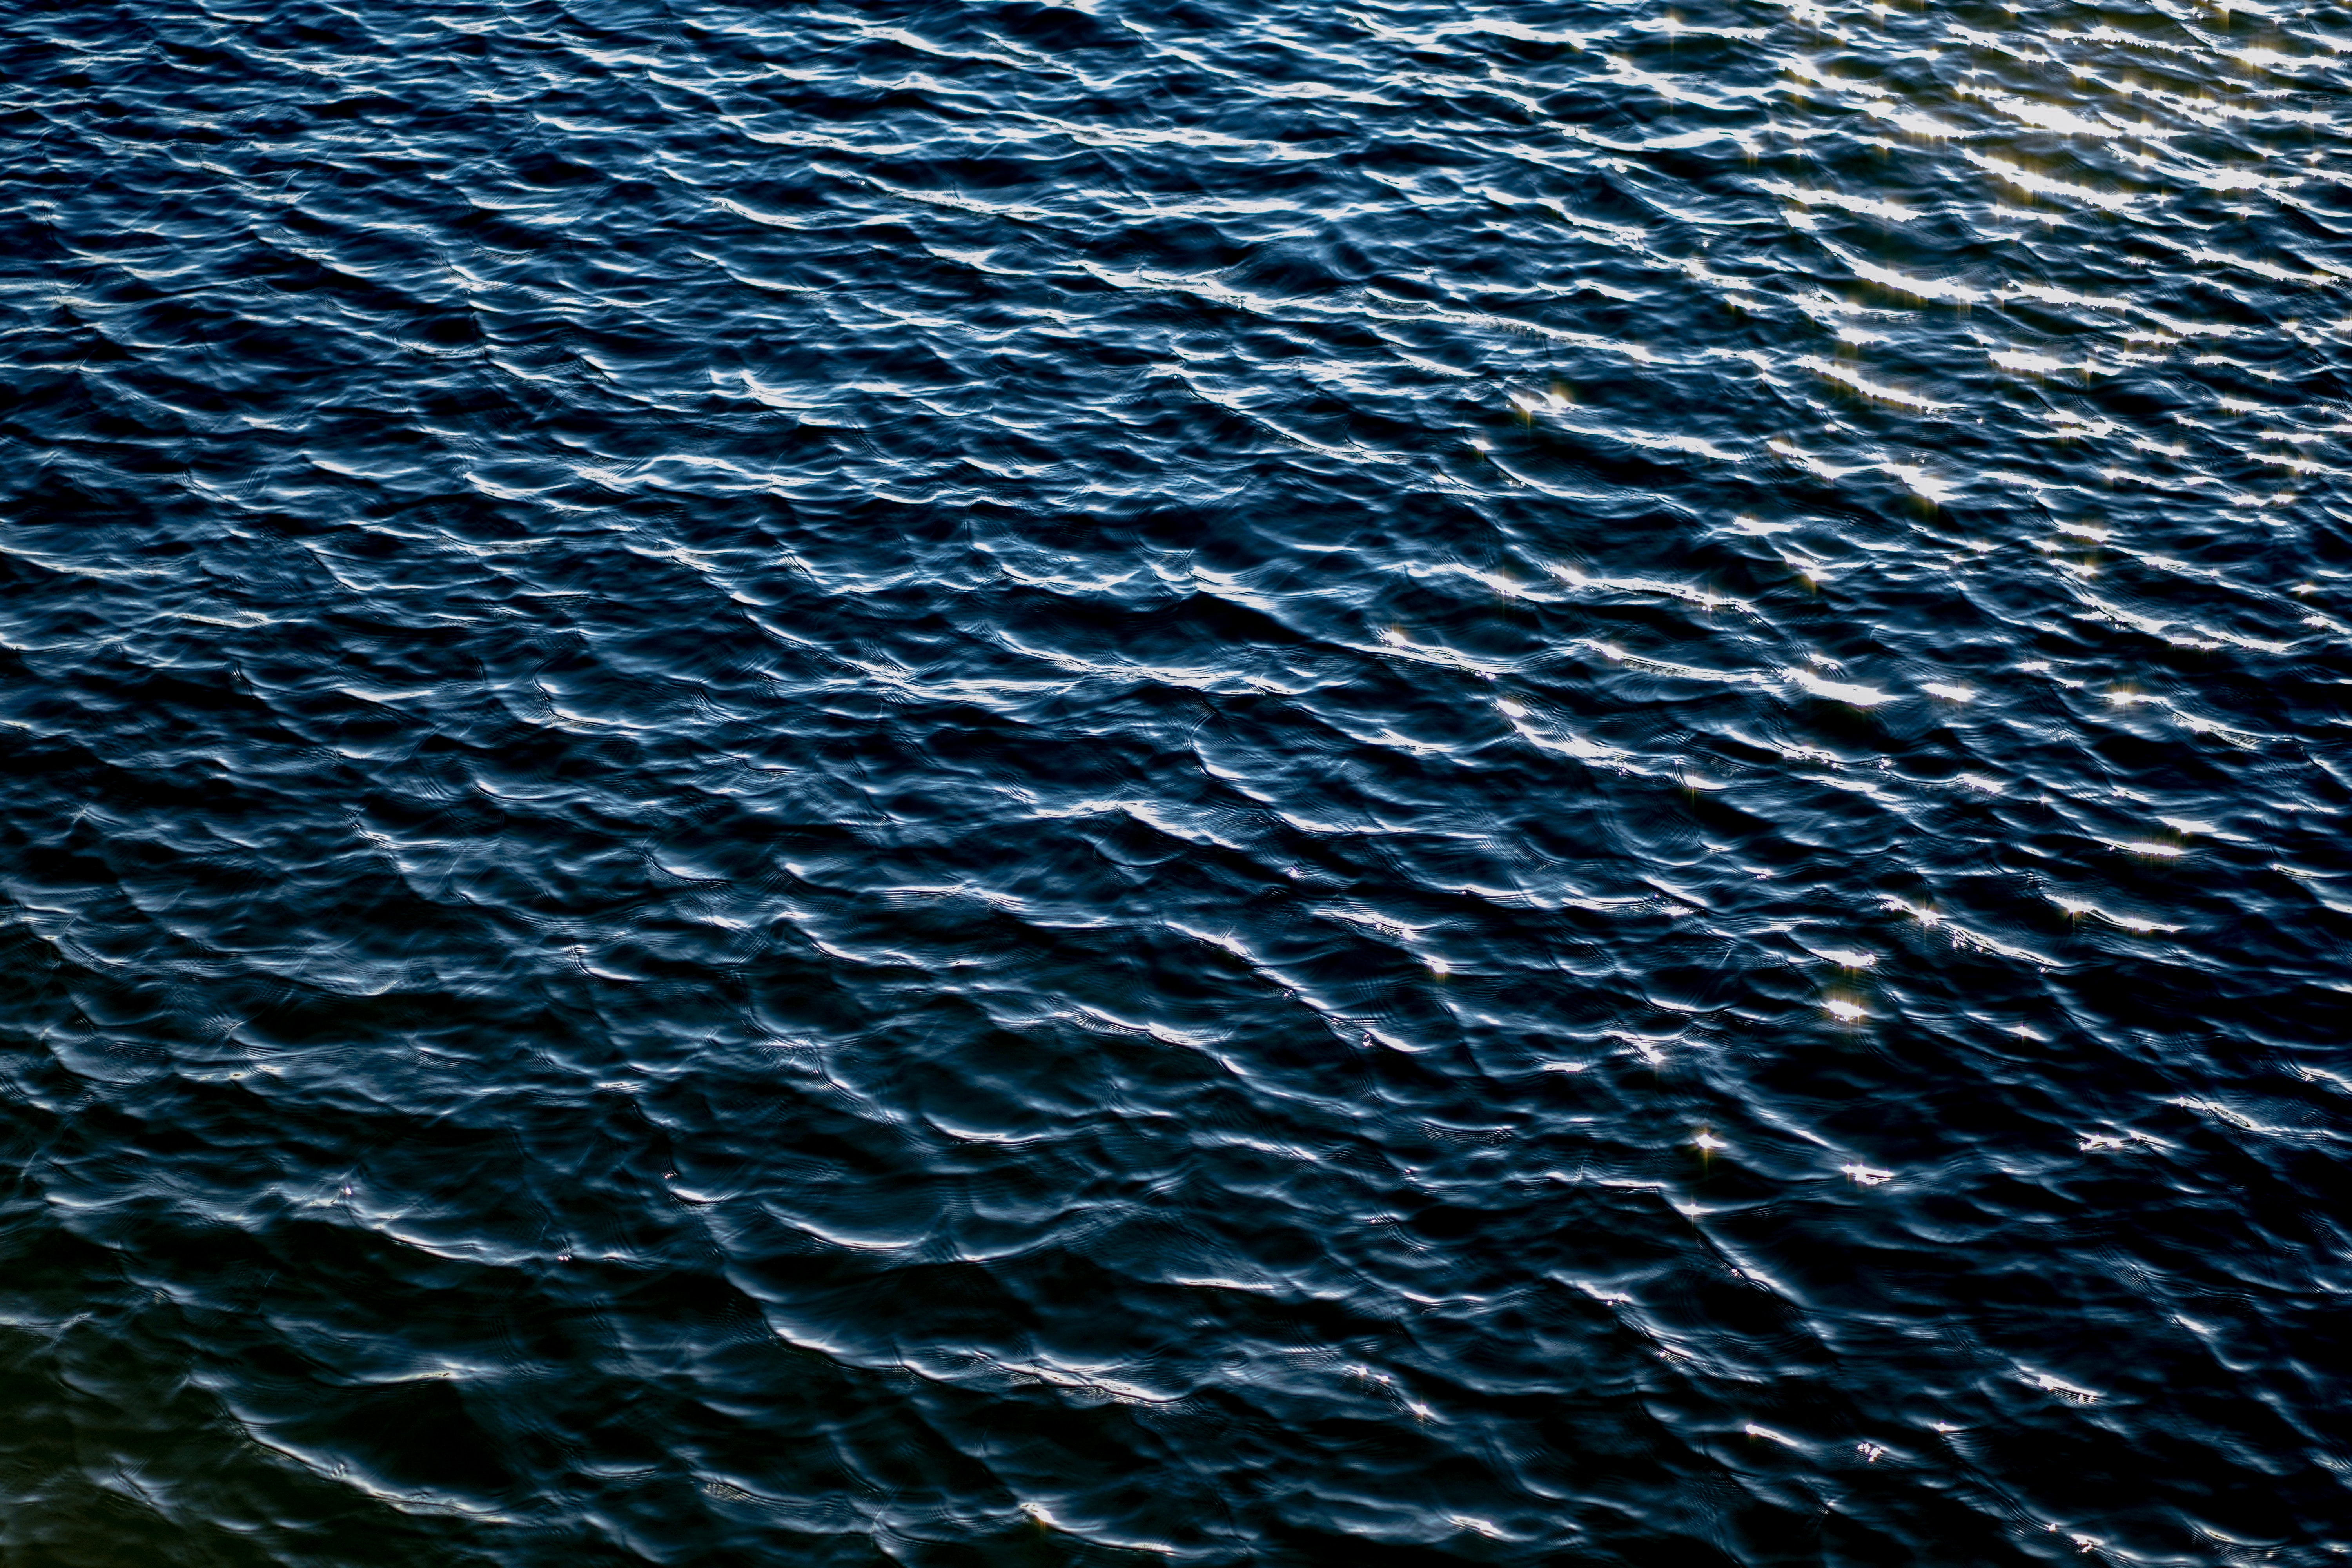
(1246, 783)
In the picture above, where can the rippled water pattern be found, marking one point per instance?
(1240, 783)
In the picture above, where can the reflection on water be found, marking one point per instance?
(1005, 782)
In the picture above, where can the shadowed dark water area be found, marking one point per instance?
(1364, 784)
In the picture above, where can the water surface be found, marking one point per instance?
(1235, 783)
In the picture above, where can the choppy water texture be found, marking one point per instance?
(1244, 784)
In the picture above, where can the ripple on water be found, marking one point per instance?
(1008, 782)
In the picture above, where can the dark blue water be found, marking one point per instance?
(1169, 780)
